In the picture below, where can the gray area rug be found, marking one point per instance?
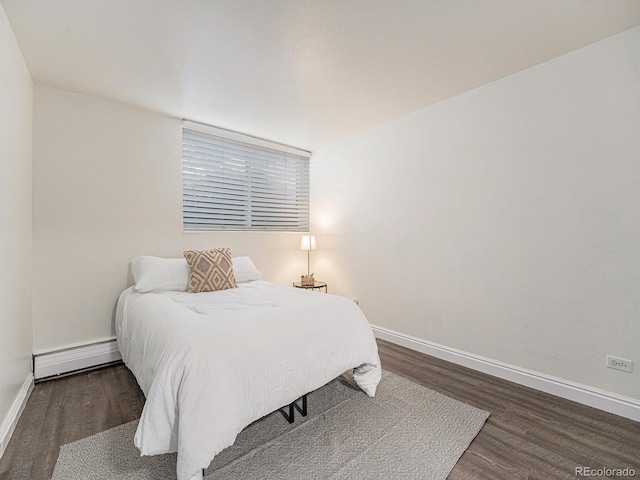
(405, 432)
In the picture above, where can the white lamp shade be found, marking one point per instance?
(308, 242)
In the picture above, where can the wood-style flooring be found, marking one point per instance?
(529, 435)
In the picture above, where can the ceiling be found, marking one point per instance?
(301, 72)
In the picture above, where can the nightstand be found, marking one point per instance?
(316, 286)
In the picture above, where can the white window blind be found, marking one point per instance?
(237, 182)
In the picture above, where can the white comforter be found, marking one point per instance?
(209, 364)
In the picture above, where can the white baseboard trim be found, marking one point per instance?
(593, 397)
(47, 363)
(11, 420)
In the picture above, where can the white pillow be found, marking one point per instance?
(245, 270)
(153, 274)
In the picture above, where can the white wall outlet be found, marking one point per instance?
(619, 363)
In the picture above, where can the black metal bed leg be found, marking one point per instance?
(290, 417)
(303, 410)
(292, 413)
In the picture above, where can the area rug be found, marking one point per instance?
(405, 432)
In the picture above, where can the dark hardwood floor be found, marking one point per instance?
(65, 410)
(529, 435)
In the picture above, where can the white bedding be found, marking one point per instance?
(209, 364)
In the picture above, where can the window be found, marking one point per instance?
(237, 182)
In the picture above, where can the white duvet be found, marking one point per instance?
(209, 364)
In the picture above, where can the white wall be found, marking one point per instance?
(16, 94)
(504, 222)
(107, 182)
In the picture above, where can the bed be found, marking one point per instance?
(210, 364)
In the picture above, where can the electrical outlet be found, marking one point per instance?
(619, 363)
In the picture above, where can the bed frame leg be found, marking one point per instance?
(303, 410)
(290, 417)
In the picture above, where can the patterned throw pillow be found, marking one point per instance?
(210, 270)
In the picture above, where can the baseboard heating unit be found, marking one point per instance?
(72, 358)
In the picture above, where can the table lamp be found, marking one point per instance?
(308, 243)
